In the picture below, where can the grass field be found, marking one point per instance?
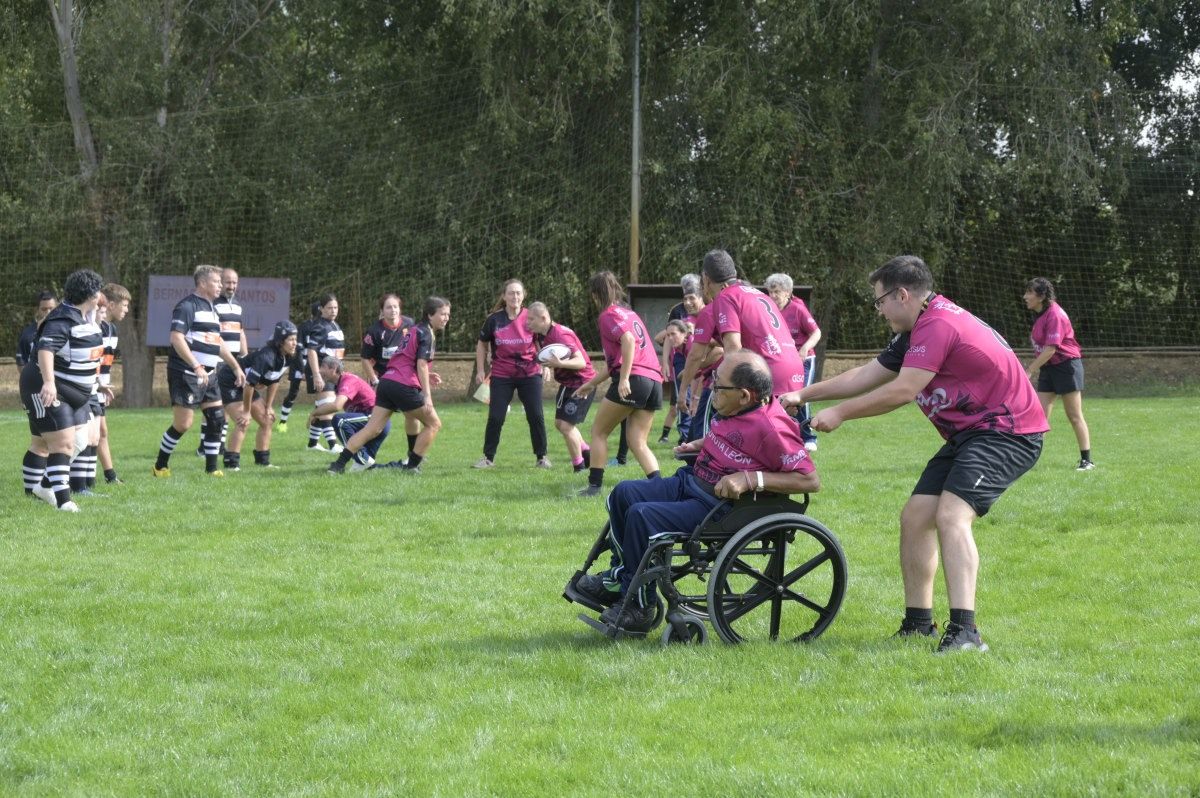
(288, 633)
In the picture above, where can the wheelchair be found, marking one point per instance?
(763, 570)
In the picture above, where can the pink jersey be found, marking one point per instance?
(799, 321)
(614, 322)
(572, 378)
(704, 335)
(1053, 328)
(360, 397)
(763, 439)
(513, 352)
(418, 345)
(743, 309)
(978, 383)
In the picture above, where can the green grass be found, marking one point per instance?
(288, 633)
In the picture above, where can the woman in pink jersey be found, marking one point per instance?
(569, 372)
(636, 390)
(507, 339)
(1059, 363)
(803, 327)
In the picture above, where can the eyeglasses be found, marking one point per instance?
(728, 388)
(878, 301)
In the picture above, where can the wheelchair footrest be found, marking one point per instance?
(571, 594)
(607, 629)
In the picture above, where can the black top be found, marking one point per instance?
(197, 319)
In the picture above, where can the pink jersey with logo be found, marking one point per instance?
(614, 322)
(514, 354)
(360, 397)
(704, 335)
(799, 320)
(763, 439)
(418, 345)
(743, 309)
(1053, 328)
(978, 383)
(572, 378)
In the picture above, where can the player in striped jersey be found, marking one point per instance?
(229, 313)
(117, 305)
(264, 368)
(196, 349)
(325, 337)
(57, 385)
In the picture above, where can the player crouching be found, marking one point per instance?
(263, 368)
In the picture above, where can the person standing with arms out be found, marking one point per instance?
(232, 332)
(298, 366)
(636, 389)
(970, 385)
(57, 385)
(325, 337)
(1059, 363)
(117, 307)
(569, 372)
(264, 368)
(34, 464)
(381, 341)
(805, 333)
(507, 339)
(196, 349)
(27, 339)
(407, 386)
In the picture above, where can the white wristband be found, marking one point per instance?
(759, 476)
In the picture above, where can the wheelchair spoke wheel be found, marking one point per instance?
(783, 576)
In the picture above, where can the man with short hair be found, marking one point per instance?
(752, 446)
(229, 313)
(27, 340)
(970, 385)
(117, 299)
(196, 349)
(349, 410)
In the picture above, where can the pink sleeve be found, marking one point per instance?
(929, 345)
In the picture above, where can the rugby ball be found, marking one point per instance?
(560, 351)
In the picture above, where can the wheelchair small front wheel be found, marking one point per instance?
(687, 631)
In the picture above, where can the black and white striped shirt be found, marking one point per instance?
(108, 332)
(197, 319)
(77, 345)
(327, 338)
(230, 314)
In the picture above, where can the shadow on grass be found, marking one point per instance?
(569, 638)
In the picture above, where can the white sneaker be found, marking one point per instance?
(318, 449)
(356, 466)
(483, 463)
(335, 449)
(810, 446)
(70, 507)
(544, 462)
(45, 494)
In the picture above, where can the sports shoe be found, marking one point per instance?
(232, 469)
(90, 493)
(161, 473)
(281, 426)
(266, 465)
(810, 446)
(407, 469)
(217, 473)
(45, 494)
(959, 638)
(1085, 465)
(356, 466)
(664, 440)
(543, 462)
(594, 587)
(632, 619)
(614, 462)
(114, 481)
(336, 467)
(318, 448)
(581, 467)
(590, 490)
(916, 629)
(335, 449)
(70, 507)
(483, 462)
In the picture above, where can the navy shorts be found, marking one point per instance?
(1061, 378)
(185, 389)
(645, 393)
(979, 465)
(568, 408)
(230, 392)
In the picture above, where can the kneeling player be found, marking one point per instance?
(569, 373)
(264, 368)
(349, 410)
(406, 386)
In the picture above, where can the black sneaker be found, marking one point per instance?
(910, 628)
(590, 490)
(114, 481)
(1085, 465)
(959, 638)
(664, 440)
(594, 587)
(632, 619)
(579, 469)
(336, 467)
(410, 469)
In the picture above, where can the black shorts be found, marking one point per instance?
(185, 389)
(227, 385)
(71, 408)
(568, 408)
(391, 395)
(645, 393)
(96, 406)
(979, 465)
(1061, 378)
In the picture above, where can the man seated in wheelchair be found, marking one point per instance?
(752, 446)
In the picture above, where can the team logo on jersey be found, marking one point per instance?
(771, 346)
(933, 402)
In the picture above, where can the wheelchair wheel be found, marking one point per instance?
(693, 633)
(782, 576)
